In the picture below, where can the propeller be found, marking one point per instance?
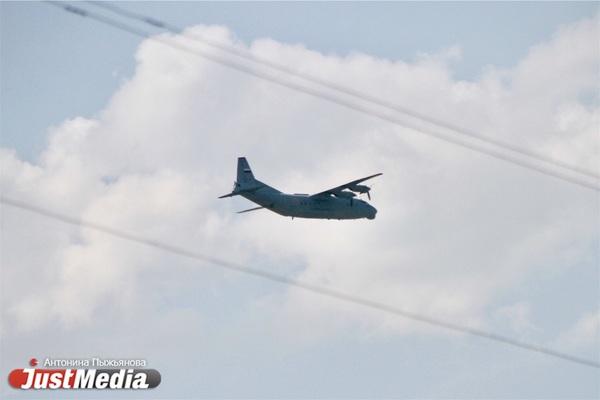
(362, 189)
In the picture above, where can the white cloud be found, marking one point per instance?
(454, 230)
(584, 334)
(518, 317)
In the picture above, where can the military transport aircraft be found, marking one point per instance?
(336, 203)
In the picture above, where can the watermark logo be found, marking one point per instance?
(94, 373)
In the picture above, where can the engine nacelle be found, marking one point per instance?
(345, 194)
(360, 188)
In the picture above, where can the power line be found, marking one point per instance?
(342, 89)
(478, 147)
(324, 291)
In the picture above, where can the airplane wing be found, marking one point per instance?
(352, 186)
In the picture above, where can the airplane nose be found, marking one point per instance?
(372, 212)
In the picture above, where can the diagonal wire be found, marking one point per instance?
(247, 55)
(319, 94)
(321, 290)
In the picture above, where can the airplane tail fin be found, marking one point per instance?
(245, 177)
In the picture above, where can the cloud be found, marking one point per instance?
(455, 229)
(518, 317)
(584, 334)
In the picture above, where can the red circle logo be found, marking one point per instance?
(17, 378)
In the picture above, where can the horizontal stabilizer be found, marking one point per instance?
(229, 195)
(250, 209)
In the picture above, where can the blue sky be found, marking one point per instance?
(144, 138)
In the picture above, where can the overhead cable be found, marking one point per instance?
(310, 287)
(475, 146)
(247, 55)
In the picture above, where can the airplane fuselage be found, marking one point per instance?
(304, 206)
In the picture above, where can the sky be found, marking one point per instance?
(111, 128)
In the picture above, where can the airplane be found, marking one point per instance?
(335, 203)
